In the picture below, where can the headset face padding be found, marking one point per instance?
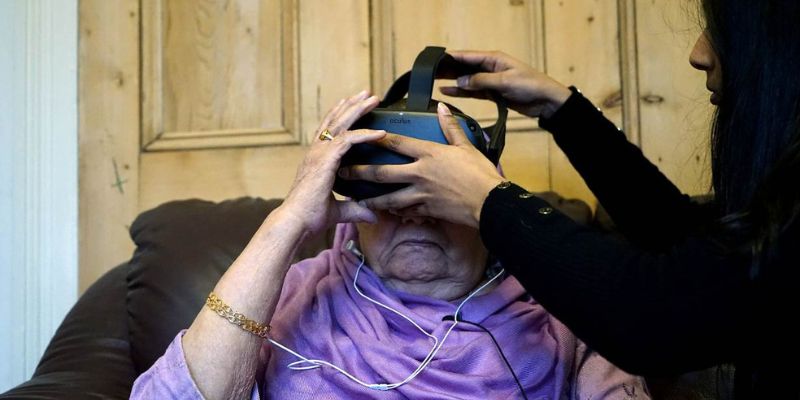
(416, 117)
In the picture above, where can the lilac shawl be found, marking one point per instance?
(321, 316)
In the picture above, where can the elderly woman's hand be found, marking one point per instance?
(527, 91)
(448, 182)
(310, 200)
(221, 358)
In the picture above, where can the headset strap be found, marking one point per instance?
(418, 84)
(397, 91)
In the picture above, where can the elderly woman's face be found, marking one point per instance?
(424, 256)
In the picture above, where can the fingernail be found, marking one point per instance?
(363, 93)
(462, 81)
(443, 109)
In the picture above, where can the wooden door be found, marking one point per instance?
(216, 99)
(206, 99)
(545, 34)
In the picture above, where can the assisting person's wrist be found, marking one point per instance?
(559, 95)
(486, 190)
(556, 118)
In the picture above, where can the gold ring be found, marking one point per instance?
(325, 135)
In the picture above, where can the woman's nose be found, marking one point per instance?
(702, 56)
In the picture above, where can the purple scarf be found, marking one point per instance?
(321, 316)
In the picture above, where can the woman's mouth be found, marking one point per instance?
(715, 98)
(419, 243)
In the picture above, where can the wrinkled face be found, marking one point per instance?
(704, 58)
(424, 256)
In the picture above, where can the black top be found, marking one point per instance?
(672, 297)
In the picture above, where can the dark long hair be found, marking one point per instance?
(755, 141)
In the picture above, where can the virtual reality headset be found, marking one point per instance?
(416, 117)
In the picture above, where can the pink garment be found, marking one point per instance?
(321, 316)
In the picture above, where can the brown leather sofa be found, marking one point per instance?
(125, 320)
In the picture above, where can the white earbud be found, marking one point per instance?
(351, 247)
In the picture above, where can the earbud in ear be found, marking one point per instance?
(351, 247)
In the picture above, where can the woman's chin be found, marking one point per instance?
(415, 263)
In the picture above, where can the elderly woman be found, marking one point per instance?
(416, 315)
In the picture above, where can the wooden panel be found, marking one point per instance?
(526, 161)
(674, 107)
(333, 67)
(466, 24)
(582, 49)
(218, 175)
(629, 69)
(218, 73)
(108, 88)
(335, 57)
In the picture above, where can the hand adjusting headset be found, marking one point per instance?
(416, 117)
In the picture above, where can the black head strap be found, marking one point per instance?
(418, 83)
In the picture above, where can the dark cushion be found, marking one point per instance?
(89, 355)
(182, 249)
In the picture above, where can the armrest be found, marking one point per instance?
(182, 249)
(89, 356)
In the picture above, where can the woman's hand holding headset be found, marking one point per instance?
(527, 91)
(310, 202)
(452, 182)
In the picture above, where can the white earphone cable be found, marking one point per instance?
(305, 363)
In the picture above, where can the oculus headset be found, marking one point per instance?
(416, 117)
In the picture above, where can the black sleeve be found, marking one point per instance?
(649, 313)
(646, 207)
